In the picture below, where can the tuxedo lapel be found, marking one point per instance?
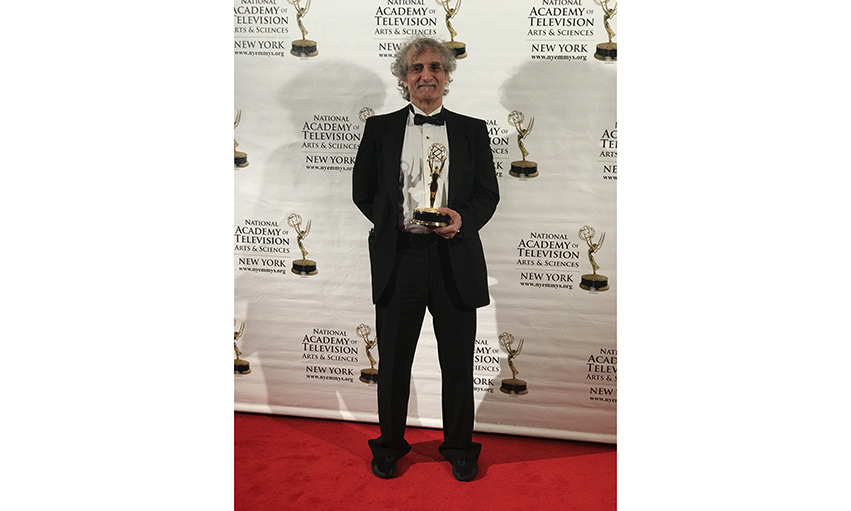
(457, 153)
(392, 141)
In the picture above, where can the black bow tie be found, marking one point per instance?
(436, 119)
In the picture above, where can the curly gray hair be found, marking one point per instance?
(415, 47)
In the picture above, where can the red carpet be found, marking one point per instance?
(285, 463)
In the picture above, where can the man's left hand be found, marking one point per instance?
(454, 226)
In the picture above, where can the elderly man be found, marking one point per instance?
(416, 267)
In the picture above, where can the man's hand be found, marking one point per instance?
(454, 226)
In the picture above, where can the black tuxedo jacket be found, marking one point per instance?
(473, 193)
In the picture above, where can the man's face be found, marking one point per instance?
(426, 79)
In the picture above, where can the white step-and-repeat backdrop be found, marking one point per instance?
(299, 343)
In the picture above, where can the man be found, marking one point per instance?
(415, 267)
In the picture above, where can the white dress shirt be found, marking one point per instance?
(415, 175)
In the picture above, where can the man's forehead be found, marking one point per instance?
(427, 56)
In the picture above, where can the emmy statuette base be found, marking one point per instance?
(304, 48)
(430, 217)
(241, 366)
(369, 376)
(459, 48)
(304, 267)
(514, 386)
(593, 282)
(240, 159)
(606, 51)
(523, 169)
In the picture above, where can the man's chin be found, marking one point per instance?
(428, 96)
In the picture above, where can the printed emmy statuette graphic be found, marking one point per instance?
(303, 47)
(522, 168)
(609, 50)
(240, 159)
(459, 48)
(370, 375)
(430, 216)
(593, 281)
(365, 113)
(512, 385)
(303, 266)
(240, 366)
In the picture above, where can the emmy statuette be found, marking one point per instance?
(522, 168)
(593, 281)
(607, 51)
(303, 47)
(303, 266)
(512, 385)
(430, 216)
(365, 113)
(370, 375)
(239, 366)
(240, 159)
(457, 47)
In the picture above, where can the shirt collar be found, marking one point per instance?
(416, 110)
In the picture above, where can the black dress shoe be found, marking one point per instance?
(465, 470)
(384, 468)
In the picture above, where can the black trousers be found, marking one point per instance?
(422, 280)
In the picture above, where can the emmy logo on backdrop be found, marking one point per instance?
(430, 216)
(522, 168)
(239, 366)
(459, 48)
(609, 50)
(303, 266)
(512, 385)
(365, 113)
(240, 159)
(303, 47)
(593, 281)
(368, 375)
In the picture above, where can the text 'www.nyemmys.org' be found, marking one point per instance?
(261, 53)
(335, 378)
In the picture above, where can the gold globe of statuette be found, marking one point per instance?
(365, 113)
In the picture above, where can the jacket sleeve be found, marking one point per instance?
(365, 172)
(484, 197)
